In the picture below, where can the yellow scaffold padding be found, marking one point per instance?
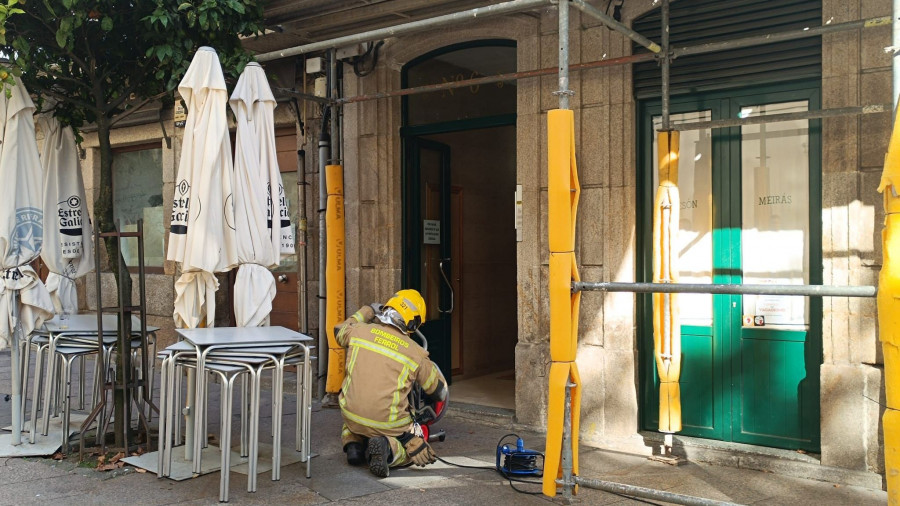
(562, 345)
(563, 189)
(889, 313)
(563, 193)
(334, 274)
(667, 151)
(666, 321)
(560, 374)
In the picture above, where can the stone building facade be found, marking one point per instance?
(855, 70)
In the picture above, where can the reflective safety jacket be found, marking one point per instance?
(382, 365)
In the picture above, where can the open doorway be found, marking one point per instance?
(459, 234)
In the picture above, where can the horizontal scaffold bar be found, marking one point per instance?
(791, 116)
(800, 290)
(456, 18)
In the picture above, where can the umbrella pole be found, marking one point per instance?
(16, 371)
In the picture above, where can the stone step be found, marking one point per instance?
(487, 415)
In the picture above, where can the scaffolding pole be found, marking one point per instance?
(415, 26)
(797, 290)
(665, 63)
(563, 93)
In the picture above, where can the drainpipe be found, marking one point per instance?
(324, 154)
(334, 92)
(302, 224)
(301, 228)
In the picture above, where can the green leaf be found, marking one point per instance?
(61, 38)
(68, 3)
(184, 6)
(106, 24)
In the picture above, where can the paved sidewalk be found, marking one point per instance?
(34, 481)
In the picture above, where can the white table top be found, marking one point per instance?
(87, 323)
(242, 336)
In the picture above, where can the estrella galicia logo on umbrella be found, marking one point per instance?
(283, 216)
(28, 233)
(180, 207)
(70, 216)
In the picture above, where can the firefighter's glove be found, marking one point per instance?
(417, 449)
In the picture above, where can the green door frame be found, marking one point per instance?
(725, 417)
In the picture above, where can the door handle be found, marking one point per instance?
(282, 278)
(444, 275)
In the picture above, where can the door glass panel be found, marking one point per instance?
(289, 181)
(695, 248)
(430, 190)
(775, 213)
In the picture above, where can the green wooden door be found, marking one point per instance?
(750, 213)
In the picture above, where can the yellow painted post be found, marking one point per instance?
(563, 192)
(334, 274)
(666, 325)
(889, 314)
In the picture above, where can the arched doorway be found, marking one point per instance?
(459, 173)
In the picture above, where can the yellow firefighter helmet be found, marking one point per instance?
(411, 307)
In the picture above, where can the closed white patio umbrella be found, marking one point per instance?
(68, 250)
(262, 223)
(202, 238)
(24, 300)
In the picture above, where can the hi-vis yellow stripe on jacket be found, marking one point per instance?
(383, 365)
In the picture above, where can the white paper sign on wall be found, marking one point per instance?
(431, 231)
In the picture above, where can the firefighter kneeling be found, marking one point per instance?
(383, 364)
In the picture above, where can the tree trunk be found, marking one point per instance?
(103, 216)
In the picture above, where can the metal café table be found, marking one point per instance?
(207, 340)
(80, 328)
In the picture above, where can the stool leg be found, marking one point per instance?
(161, 431)
(83, 377)
(254, 427)
(204, 413)
(150, 381)
(26, 365)
(173, 416)
(225, 436)
(66, 391)
(307, 402)
(178, 402)
(277, 409)
(38, 379)
(48, 391)
(245, 413)
(57, 399)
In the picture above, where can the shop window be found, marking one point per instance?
(138, 195)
